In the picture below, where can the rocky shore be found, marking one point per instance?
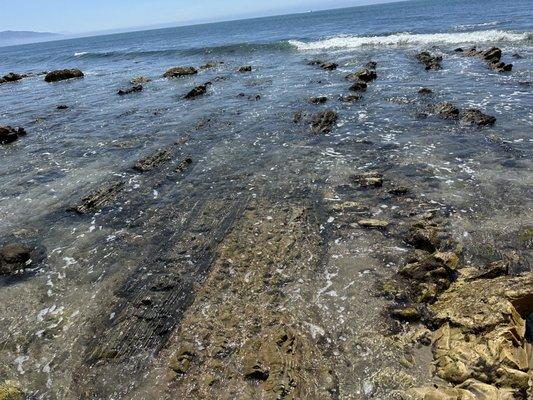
(297, 279)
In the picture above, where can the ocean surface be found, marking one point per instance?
(242, 141)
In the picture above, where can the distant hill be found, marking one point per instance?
(20, 37)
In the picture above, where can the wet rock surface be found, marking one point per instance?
(8, 134)
(11, 77)
(14, 257)
(63, 74)
(324, 121)
(197, 91)
(492, 56)
(177, 72)
(430, 62)
(133, 89)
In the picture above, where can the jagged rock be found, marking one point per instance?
(324, 121)
(152, 161)
(101, 197)
(183, 165)
(359, 86)
(246, 68)
(476, 117)
(63, 74)
(177, 72)
(328, 66)
(448, 111)
(318, 100)
(13, 257)
(8, 134)
(492, 56)
(431, 62)
(139, 80)
(373, 223)
(197, 91)
(11, 77)
(133, 89)
(371, 65)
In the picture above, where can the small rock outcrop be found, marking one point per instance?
(492, 56)
(63, 74)
(177, 72)
(359, 86)
(133, 89)
(365, 75)
(11, 77)
(9, 134)
(448, 111)
(318, 100)
(197, 91)
(99, 198)
(245, 68)
(139, 80)
(328, 66)
(13, 258)
(323, 121)
(431, 62)
(475, 117)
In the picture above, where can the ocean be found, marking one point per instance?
(237, 150)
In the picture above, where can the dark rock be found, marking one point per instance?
(297, 117)
(177, 72)
(372, 179)
(350, 98)
(323, 121)
(246, 68)
(9, 134)
(64, 74)
(14, 257)
(405, 313)
(491, 55)
(501, 67)
(153, 161)
(197, 91)
(524, 83)
(459, 50)
(11, 77)
(101, 197)
(431, 62)
(399, 190)
(448, 111)
(358, 86)
(476, 117)
(425, 91)
(133, 89)
(318, 100)
(517, 56)
(184, 165)
(328, 66)
(209, 65)
(62, 107)
(251, 97)
(371, 65)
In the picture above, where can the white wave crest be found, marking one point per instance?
(80, 54)
(403, 39)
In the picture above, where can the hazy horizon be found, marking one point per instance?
(102, 16)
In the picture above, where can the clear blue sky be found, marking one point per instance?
(77, 16)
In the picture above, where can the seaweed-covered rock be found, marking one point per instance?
(63, 74)
(425, 91)
(177, 72)
(323, 121)
(475, 117)
(8, 134)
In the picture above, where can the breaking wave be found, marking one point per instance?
(404, 39)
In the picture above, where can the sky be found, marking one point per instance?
(78, 16)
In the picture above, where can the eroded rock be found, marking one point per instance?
(431, 62)
(98, 199)
(324, 121)
(153, 161)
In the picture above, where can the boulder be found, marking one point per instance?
(475, 117)
(11, 77)
(63, 74)
(491, 55)
(324, 121)
(431, 62)
(177, 72)
(9, 134)
(448, 111)
(365, 75)
(425, 91)
(133, 89)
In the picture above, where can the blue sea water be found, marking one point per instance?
(241, 143)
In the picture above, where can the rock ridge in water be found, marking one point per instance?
(63, 74)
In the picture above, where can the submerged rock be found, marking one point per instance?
(177, 72)
(359, 86)
(63, 74)
(152, 161)
(425, 91)
(197, 91)
(431, 62)
(133, 89)
(11, 77)
(365, 75)
(318, 100)
(139, 80)
(8, 134)
(350, 98)
(448, 111)
(14, 257)
(372, 179)
(62, 107)
(98, 199)
(328, 66)
(324, 121)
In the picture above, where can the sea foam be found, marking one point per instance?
(404, 39)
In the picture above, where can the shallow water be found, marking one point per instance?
(165, 226)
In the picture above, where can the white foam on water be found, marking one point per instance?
(405, 39)
(82, 53)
